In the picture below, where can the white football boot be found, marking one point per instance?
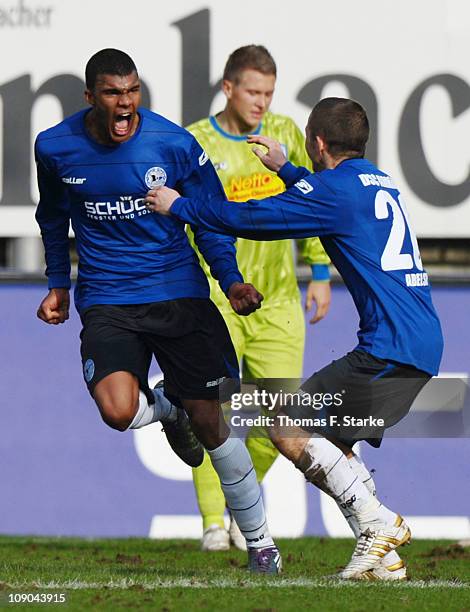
(372, 545)
(236, 536)
(388, 569)
(215, 538)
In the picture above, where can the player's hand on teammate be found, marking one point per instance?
(318, 293)
(274, 158)
(54, 308)
(244, 298)
(160, 200)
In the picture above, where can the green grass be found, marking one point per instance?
(175, 575)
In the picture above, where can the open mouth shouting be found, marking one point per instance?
(123, 124)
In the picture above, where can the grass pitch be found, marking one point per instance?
(172, 575)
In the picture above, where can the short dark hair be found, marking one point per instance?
(343, 125)
(108, 61)
(250, 57)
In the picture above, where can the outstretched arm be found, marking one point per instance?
(287, 215)
(292, 214)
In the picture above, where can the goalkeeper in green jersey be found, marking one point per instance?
(270, 342)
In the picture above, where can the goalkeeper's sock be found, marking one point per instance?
(327, 467)
(233, 464)
(210, 496)
(160, 410)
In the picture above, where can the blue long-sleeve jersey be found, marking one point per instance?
(127, 254)
(363, 224)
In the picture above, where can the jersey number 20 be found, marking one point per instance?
(392, 257)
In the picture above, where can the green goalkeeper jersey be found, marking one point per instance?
(269, 265)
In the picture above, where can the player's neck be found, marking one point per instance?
(233, 124)
(335, 161)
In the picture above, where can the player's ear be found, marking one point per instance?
(227, 88)
(321, 144)
(89, 97)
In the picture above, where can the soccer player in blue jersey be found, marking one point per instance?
(359, 213)
(140, 290)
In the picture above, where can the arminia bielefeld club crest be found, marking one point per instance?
(155, 177)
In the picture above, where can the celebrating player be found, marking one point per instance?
(270, 343)
(360, 215)
(140, 290)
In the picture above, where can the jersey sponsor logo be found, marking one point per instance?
(72, 180)
(125, 208)
(89, 369)
(303, 186)
(257, 185)
(155, 177)
(203, 158)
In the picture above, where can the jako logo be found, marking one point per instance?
(22, 16)
(203, 158)
(303, 186)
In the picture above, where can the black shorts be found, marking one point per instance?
(358, 396)
(187, 336)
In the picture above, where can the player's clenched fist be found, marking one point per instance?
(160, 200)
(244, 298)
(54, 308)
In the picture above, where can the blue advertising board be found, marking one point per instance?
(64, 472)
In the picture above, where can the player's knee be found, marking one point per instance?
(117, 414)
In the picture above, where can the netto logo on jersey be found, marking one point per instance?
(254, 181)
(155, 177)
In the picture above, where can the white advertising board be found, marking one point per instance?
(406, 62)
